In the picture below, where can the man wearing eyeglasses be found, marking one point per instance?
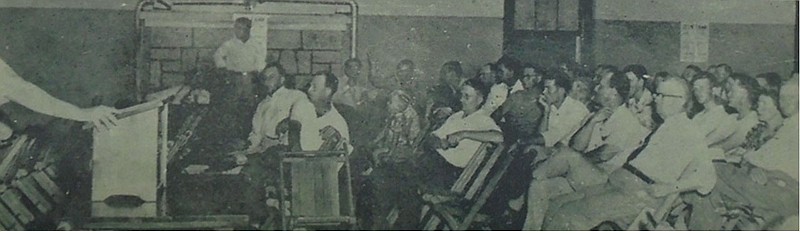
(675, 159)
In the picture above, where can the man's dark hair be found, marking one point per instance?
(751, 85)
(244, 21)
(406, 62)
(727, 68)
(705, 75)
(455, 66)
(282, 72)
(330, 80)
(356, 60)
(561, 79)
(636, 69)
(773, 80)
(536, 69)
(695, 68)
(495, 73)
(510, 63)
(277, 66)
(479, 87)
(619, 81)
(608, 67)
(662, 74)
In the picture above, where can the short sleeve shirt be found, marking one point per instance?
(461, 154)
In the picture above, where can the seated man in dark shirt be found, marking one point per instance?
(521, 112)
(443, 98)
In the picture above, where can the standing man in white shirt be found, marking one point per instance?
(238, 60)
(241, 54)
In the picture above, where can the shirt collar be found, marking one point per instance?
(678, 119)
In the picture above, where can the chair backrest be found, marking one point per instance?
(315, 182)
(474, 175)
(470, 184)
(315, 188)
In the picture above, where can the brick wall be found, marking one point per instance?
(173, 51)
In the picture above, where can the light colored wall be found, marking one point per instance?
(752, 36)
(713, 11)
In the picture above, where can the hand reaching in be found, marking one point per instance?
(102, 117)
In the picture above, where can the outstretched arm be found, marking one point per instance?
(29, 95)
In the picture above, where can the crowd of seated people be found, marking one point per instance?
(594, 146)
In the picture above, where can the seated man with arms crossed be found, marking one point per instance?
(674, 159)
(600, 147)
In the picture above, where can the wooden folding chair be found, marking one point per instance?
(316, 198)
(650, 219)
(471, 187)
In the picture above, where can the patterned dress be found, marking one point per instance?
(399, 135)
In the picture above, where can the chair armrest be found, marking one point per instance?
(447, 214)
(313, 153)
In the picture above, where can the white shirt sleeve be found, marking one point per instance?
(305, 113)
(220, 54)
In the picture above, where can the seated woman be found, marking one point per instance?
(396, 141)
(392, 161)
(743, 97)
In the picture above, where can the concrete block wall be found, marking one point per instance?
(174, 51)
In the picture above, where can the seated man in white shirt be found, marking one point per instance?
(713, 119)
(281, 97)
(321, 125)
(675, 160)
(459, 138)
(563, 115)
(601, 146)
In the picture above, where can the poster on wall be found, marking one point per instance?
(258, 31)
(694, 42)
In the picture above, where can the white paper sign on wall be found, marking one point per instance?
(694, 42)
